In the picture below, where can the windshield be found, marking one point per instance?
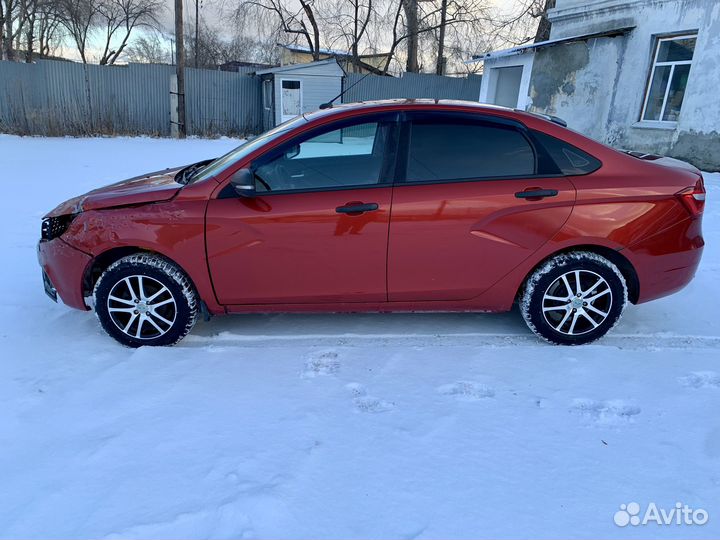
(222, 163)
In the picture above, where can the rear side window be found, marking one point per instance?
(461, 150)
(570, 160)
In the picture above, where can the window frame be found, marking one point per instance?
(267, 93)
(651, 77)
(487, 120)
(548, 159)
(389, 152)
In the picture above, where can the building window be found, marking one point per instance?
(267, 94)
(668, 79)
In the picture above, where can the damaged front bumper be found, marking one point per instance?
(63, 271)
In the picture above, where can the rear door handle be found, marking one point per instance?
(536, 194)
(356, 208)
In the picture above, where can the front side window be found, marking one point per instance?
(668, 79)
(344, 157)
(457, 150)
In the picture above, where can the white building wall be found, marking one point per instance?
(490, 77)
(320, 82)
(316, 90)
(599, 85)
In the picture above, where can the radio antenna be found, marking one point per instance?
(329, 104)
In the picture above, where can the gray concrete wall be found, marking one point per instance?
(599, 85)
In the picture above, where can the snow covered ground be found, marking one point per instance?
(348, 426)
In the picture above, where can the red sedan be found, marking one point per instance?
(405, 205)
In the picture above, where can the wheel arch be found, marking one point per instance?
(614, 256)
(102, 262)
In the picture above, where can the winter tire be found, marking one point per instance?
(574, 298)
(144, 299)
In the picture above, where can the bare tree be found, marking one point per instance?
(206, 49)
(415, 33)
(48, 27)
(303, 22)
(543, 31)
(430, 20)
(440, 62)
(255, 35)
(118, 19)
(349, 22)
(79, 17)
(148, 49)
(115, 20)
(12, 21)
(412, 33)
(31, 14)
(527, 22)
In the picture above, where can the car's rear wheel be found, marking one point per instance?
(144, 299)
(574, 298)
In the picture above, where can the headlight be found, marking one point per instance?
(53, 227)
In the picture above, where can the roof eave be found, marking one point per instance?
(549, 43)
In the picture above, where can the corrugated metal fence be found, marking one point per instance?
(222, 102)
(65, 98)
(410, 85)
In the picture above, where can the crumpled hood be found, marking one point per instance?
(147, 188)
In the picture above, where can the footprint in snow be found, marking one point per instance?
(365, 403)
(467, 391)
(701, 379)
(605, 412)
(318, 364)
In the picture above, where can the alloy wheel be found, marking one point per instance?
(142, 307)
(577, 302)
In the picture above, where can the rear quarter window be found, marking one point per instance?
(571, 161)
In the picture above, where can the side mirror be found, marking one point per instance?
(243, 182)
(292, 152)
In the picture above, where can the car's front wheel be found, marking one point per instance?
(144, 299)
(574, 298)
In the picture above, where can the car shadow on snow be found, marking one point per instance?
(367, 325)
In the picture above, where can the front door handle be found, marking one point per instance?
(536, 194)
(355, 209)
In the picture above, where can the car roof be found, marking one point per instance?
(407, 103)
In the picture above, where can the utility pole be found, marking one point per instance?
(197, 18)
(180, 68)
(440, 65)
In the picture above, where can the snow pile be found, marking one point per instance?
(356, 426)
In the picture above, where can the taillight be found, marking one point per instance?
(693, 198)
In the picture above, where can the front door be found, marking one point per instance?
(291, 99)
(317, 230)
(466, 214)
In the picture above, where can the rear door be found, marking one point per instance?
(470, 208)
(317, 230)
